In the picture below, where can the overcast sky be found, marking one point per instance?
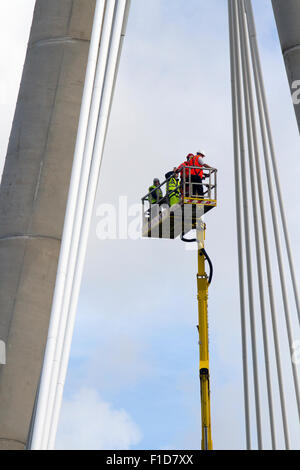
(133, 380)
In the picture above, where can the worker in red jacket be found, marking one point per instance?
(183, 165)
(197, 174)
(183, 169)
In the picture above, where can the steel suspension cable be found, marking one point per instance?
(247, 226)
(263, 114)
(103, 53)
(239, 227)
(78, 165)
(257, 171)
(254, 45)
(251, 131)
(239, 219)
(112, 63)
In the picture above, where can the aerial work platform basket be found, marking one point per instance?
(194, 199)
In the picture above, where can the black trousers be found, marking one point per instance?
(196, 187)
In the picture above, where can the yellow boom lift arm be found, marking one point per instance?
(202, 286)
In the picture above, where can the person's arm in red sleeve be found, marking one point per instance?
(180, 168)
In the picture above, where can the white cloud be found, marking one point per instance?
(89, 423)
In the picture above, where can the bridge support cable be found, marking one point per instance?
(269, 151)
(81, 201)
(243, 176)
(102, 125)
(256, 177)
(105, 49)
(246, 219)
(78, 165)
(252, 155)
(88, 152)
(239, 225)
(253, 227)
(256, 59)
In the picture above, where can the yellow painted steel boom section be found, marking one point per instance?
(202, 286)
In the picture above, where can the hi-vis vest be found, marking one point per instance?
(173, 191)
(173, 185)
(196, 171)
(153, 196)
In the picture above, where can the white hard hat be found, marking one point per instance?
(201, 153)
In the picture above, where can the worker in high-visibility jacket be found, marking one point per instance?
(197, 174)
(173, 189)
(156, 193)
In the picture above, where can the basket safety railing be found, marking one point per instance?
(197, 188)
(200, 189)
